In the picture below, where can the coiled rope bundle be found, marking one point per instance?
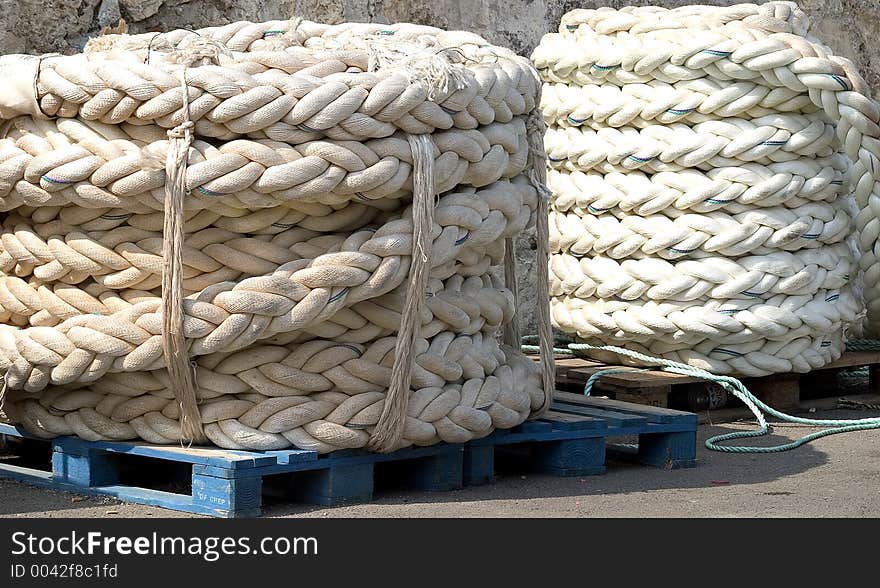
(708, 168)
(267, 235)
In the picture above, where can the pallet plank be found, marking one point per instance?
(569, 440)
(653, 413)
(616, 419)
(569, 422)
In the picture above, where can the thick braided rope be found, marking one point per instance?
(328, 300)
(703, 163)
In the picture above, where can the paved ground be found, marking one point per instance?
(837, 476)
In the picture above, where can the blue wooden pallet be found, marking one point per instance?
(569, 441)
(572, 439)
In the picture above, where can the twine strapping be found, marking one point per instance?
(538, 177)
(511, 334)
(174, 345)
(181, 371)
(389, 429)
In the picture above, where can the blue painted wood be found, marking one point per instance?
(14, 431)
(654, 414)
(669, 450)
(440, 472)
(561, 421)
(572, 457)
(570, 440)
(479, 464)
(614, 419)
(209, 456)
(29, 475)
(231, 496)
(541, 426)
(86, 468)
(334, 486)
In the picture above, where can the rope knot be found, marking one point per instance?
(182, 131)
(199, 51)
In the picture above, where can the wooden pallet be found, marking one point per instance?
(654, 388)
(570, 441)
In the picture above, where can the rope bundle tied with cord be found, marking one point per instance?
(265, 235)
(714, 180)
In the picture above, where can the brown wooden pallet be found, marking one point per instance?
(655, 388)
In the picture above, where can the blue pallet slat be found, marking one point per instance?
(560, 421)
(288, 456)
(654, 414)
(204, 455)
(540, 426)
(614, 419)
(569, 440)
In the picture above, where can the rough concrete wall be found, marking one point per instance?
(850, 27)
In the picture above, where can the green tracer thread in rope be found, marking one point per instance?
(738, 389)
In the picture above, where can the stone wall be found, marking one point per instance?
(850, 27)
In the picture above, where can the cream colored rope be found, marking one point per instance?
(708, 167)
(330, 214)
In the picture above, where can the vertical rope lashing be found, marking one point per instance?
(180, 371)
(538, 178)
(387, 434)
(511, 334)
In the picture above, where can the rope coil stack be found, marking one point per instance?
(270, 234)
(709, 167)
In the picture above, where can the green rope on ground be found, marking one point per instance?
(738, 389)
(863, 345)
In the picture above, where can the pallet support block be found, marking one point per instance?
(238, 496)
(84, 467)
(440, 472)
(479, 464)
(779, 392)
(668, 450)
(336, 485)
(571, 457)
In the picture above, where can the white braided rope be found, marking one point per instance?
(343, 195)
(708, 168)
